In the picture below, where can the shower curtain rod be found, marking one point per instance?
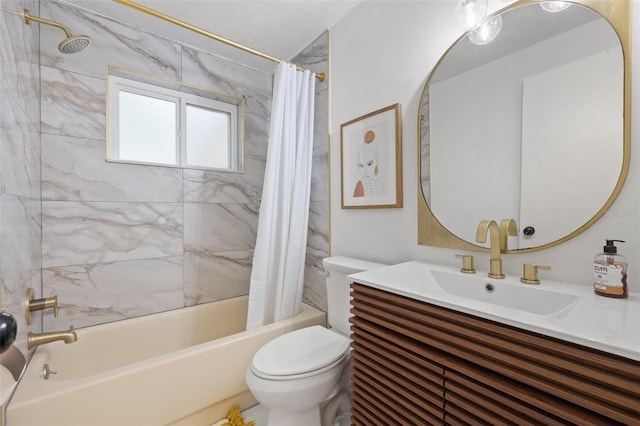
(139, 7)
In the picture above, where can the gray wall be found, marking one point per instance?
(121, 240)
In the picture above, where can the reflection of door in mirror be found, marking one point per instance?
(475, 132)
(566, 132)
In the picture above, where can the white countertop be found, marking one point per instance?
(608, 324)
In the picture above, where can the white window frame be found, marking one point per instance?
(116, 84)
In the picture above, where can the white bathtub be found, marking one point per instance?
(180, 367)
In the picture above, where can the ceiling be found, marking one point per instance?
(521, 27)
(280, 28)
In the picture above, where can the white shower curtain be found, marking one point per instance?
(278, 261)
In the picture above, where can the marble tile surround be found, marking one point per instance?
(72, 104)
(20, 218)
(20, 260)
(112, 42)
(74, 169)
(120, 240)
(96, 293)
(315, 58)
(123, 240)
(216, 275)
(78, 233)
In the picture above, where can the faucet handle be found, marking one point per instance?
(33, 305)
(467, 263)
(44, 303)
(530, 273)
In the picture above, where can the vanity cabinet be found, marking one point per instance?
(414, 363)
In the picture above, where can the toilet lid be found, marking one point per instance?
(299, 352)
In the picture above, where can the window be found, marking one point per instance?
(157, 125)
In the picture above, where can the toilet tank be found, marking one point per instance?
(338, 291)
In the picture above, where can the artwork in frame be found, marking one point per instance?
(371, 160)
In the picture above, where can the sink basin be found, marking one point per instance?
(510, 294)
(558, 309)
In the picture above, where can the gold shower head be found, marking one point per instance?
(71, 44)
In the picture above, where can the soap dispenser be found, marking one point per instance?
(610, 272)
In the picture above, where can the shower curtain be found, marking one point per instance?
(278, 262)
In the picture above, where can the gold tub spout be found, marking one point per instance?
(491, 227)
(37, 339)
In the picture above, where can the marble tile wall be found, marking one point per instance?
(20, 223)
(121, 240)
(315, 58)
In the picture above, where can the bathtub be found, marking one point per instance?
(179, 367)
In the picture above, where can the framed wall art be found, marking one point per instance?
(371, 160)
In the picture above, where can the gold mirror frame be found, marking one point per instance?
(432, 233)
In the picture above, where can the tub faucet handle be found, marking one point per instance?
(34, 305)
(45, 303)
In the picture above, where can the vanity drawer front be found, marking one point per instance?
(599, 384)
(391, 382)
(394, 378)
(495, 399)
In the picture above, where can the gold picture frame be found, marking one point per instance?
(371, 160)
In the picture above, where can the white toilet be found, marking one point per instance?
(298, 372)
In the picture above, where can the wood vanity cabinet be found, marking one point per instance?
(414, 363)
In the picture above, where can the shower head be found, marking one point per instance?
(72, 44)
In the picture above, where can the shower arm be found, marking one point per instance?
(28, 18)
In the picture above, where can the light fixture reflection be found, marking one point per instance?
(469, 13)
(487, 31)
(554, 6)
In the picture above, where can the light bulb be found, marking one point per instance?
(469, 13)
(487, 31)
(554, 6)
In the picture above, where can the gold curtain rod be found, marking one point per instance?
(139, 7)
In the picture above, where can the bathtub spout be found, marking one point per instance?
(36, 339)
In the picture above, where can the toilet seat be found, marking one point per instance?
(301, 353)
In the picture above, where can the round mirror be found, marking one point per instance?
(529, 126)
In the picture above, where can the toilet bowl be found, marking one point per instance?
(297, 373)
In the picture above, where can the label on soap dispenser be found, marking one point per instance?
(608, 278)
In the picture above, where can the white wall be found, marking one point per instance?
(381, 54)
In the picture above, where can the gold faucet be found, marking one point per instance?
(497, 241)
(491, 227)
(507, 227)
(37, 339)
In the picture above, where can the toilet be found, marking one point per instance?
(299, 374)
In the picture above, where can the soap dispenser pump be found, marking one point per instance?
(610, 272)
